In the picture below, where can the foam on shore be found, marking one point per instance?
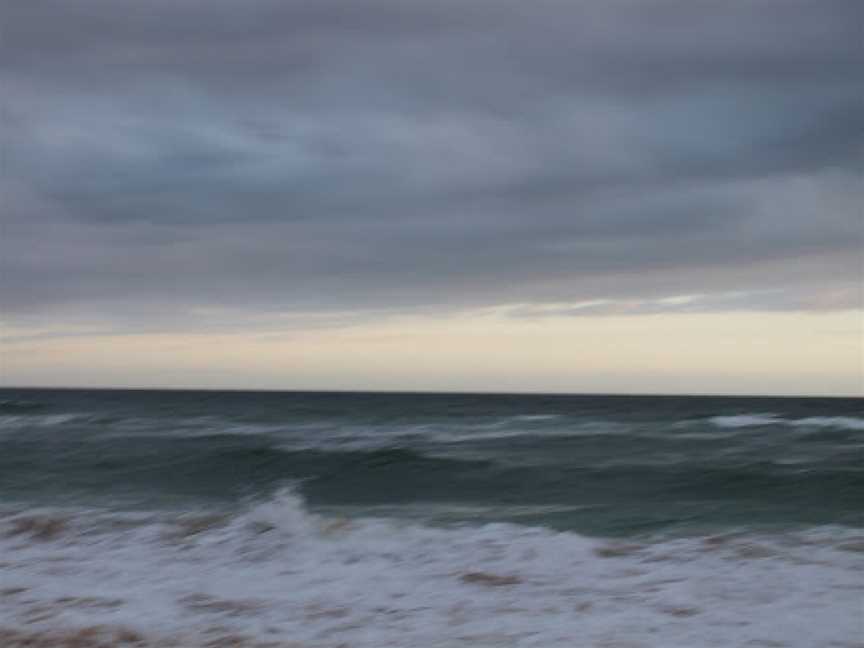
(276, 575)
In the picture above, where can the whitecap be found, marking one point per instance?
(756, 420)
(837, 422)
(745, 420)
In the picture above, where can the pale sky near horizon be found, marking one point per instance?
(636, 196)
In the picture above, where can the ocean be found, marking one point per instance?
(372, 520)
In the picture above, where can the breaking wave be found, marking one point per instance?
(760, 420)
(274, 572)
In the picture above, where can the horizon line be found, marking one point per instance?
(422, 392)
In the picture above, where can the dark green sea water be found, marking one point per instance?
(601, 465)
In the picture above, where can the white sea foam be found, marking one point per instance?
(842, 422)
(276, 573)
(753, 420)
(21, 421)
(745, 420)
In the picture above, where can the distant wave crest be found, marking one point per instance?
(20, 406)
(760, 420)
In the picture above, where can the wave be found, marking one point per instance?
(744, 420)
(580, 489)
(274, 572)
(766, 419)
(378, 458)
(220, 467)
(838, 422)
(524, 430)
(24, 421)
(316, 434)
(17, 406)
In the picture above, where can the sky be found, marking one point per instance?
(636, 196)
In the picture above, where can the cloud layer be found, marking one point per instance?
(166, 158)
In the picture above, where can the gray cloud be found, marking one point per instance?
(307, 156)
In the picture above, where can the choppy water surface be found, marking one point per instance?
(429, 520)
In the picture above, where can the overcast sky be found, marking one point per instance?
(257, 167)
